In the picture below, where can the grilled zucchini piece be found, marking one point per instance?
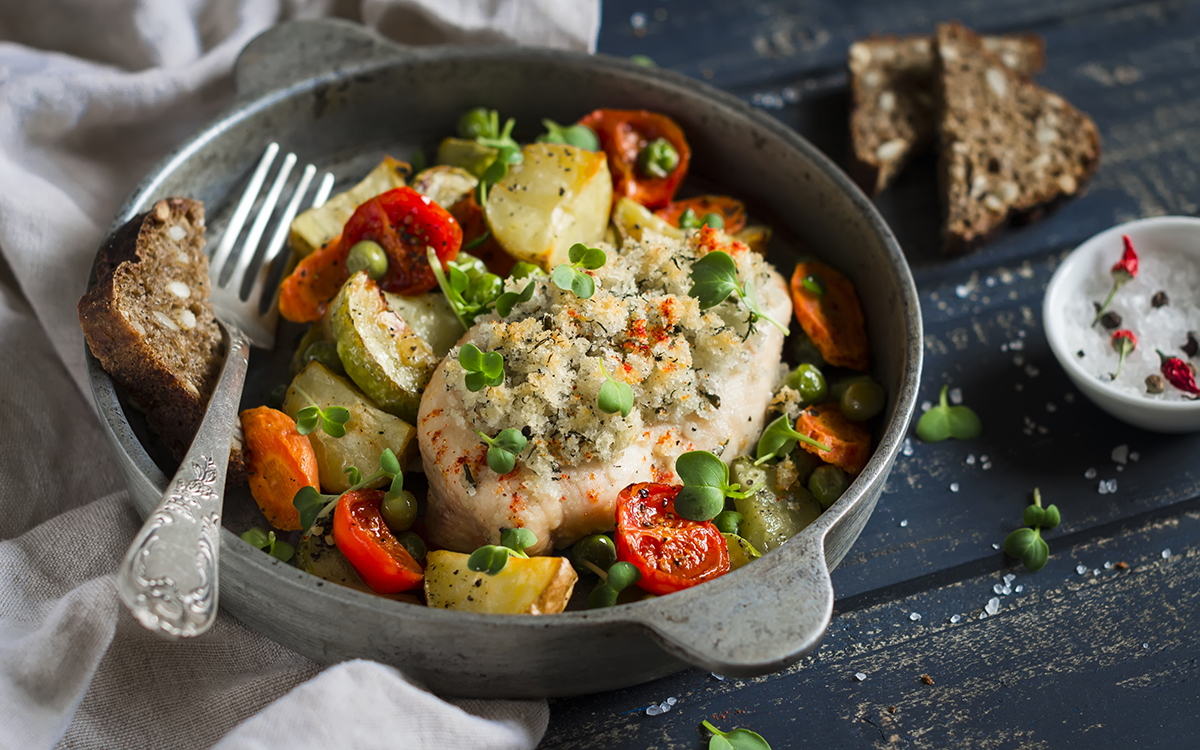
(445, 184)
(770, 519)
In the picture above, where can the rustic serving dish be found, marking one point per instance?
(341, 97)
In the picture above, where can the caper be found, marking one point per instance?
(827, 483)
(326, 353)
(658, 159)
(729, 522)
(414, 544)
(276, 398)
(809, 382)
(399, 511)
(714, 220)
(474, 123)
(596, 549)
(367, 256)
(862, 400)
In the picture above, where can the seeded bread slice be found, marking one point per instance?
(894, 114)
(149, 320)
(1009, 148)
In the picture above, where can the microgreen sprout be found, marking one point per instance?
(1026, 543)
(705, 486)
(312, 505)
(714, 278)
(946, 421)
(472, 291)
(578, 135)
(492, 558)
(573, 276)
(778, 440)
(814, 283)
(503, 449)
(689, 220)
(508, 300)
(332, 420)
(734, 739)
(714, 220)
(477, 241)
(266, 540)
(620, 576)
(482, 368)
(615, 396)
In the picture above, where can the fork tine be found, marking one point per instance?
(324, 190)
(238, 220)
(254, 236)
(281, 233)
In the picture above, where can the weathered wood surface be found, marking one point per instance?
(1062, 664)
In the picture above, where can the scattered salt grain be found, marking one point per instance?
(993, 605)
(983, 615)
(638, 20)
(955, 396)
(926, 405)
(1018, 387)
(954, 486)
(1050, 407)
(983, 458)
(1145, 645)
(1019, 589)
(860, 676)
(986, 465)
(914, 616)
(1032, 371)
(903, 523)
(1016, 345)
(990, 281)
(1008, 579)
(955, 618)
(1043, 429)
(1095, 571)
(720, 677)
(1120, 468)
(1134, 456)
(1108, 565)
(971, 459)
(962, 291)
(1120, 454)
(908, 447)
(998, 588)
(1166, 553)
(1019, 360)
(1089, 474)
(1107, 486)
(1069, 398)
(1081, 569)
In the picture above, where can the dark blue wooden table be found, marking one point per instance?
(938, 640)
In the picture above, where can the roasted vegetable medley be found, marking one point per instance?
(409, 285)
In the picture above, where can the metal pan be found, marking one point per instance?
(341, 97)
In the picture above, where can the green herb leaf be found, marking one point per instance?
(615, 397)
(353, 475)
(1034, 515)
(945, 421)
(518, 540)
(308, 419)
(1016, 543)
(280, 549)
(482, 368)
(308, 502)
(562, 276)
(778, 440)
(572, 276)
(580, 136)
(388, 462)
(814, 283)
(1051, 518)
(705, 485)
(489, 559)
(475, 243)
(714, 278)
(1036, 554)
(702, 468)
(699, 503)
(507, 301)
(256, 537)
(503, 449)
(583, 285)
(688, 220)
(737, 739)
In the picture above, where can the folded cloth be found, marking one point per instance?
(92, 94)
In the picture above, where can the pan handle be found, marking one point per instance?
(297, 50)
(745, 631)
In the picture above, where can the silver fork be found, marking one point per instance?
(169, 577)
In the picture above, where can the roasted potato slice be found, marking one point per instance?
(557, 196)
(431, 316)
(770, 519)
(316, 556)
(316, 226)
(526, 586)
(445, 184)
(368, 432)
(632, 220)
(381, 352)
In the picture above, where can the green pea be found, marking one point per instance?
(326, 353)
(399, 511)
(474, 123)
(622, 575)
(714, 220)
(827, 483)
(602, 596)
(809, 382)
(862, 400)
(367, 256)
(658, 159)
(729, 522)
(414, 544)
(277, 396)
(597, 549)
(688, 220)
(838, 387)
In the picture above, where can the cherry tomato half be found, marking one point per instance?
(381, 560)
(404, 223)
(623, 133)
(671, 552)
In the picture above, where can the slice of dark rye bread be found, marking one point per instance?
(150, 322)
(893, 114)
(1009, 148)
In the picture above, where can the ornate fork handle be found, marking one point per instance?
(168, 578)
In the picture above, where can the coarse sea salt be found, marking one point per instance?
(1165, 328)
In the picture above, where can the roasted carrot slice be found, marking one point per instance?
(731, 210)
(849, 442)
(316, 280)
(834, 319)
(280, 462)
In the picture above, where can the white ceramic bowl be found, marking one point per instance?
(1153, 239)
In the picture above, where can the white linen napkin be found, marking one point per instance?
(92, 94)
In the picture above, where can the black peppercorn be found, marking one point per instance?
(1159, 299)
(1110, 320)
(1191, 346)
(1155, 384)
